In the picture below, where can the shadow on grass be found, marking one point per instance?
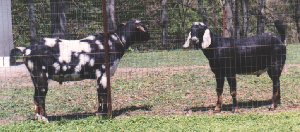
(74, 116)
(130, 109)
(78, 116)
(228, 107)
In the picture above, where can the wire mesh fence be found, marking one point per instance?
(153, 77)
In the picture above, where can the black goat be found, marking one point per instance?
(72, 60)
(253, 55)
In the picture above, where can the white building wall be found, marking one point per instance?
(6, 36)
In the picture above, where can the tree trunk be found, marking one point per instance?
(227, 19)
(237, 29)
(297, 17)
(202, 11)
(32, 22)
(245, 8)
(261, 17)
(164, 22)
(58, 18)
(111, 15)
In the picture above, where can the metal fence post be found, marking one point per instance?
(107, 57)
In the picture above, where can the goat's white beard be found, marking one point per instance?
(206, 39)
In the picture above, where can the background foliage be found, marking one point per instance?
(85, 18)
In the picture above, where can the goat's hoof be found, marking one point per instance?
(217, 110)
(41, 118)
(272, 107)
(102, 114)
(235, 110)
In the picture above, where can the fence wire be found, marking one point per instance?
(151, 78)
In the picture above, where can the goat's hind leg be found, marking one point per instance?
(232, 84)
(274, 74)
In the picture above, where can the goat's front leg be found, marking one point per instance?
(232, 84)
(220, 84)
(102, 95)
(40, 92)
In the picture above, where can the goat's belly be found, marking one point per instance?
(252, 71)
(71, 77)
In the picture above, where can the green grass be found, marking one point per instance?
(289, 121)
(185, 58)
(163, 59)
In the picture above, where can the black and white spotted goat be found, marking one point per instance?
(73, 60)
(252, 55)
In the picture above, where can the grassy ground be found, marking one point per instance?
(173, 86)
(289, 121)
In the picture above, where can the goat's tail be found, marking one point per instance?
(281, 28)
(17, 51)
(14, 53)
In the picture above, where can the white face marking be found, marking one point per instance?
(50, 41)
(103, 80)
(27, 52)
(187, 42)
(114, 67)
(91, 37)
(206, 39)
(66, 48)
(56, 67)
(103, 66)
(47, 74)
(43, 67)
(195, 39)
(92, 62)
(30, 65)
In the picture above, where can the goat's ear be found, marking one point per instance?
(206, 39)
(141, 28)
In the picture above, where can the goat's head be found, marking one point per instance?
(135, 31)
(200, 35)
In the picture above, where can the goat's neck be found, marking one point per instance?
(125, 38)
(121, 42)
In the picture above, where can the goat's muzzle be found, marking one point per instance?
(194, 40)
